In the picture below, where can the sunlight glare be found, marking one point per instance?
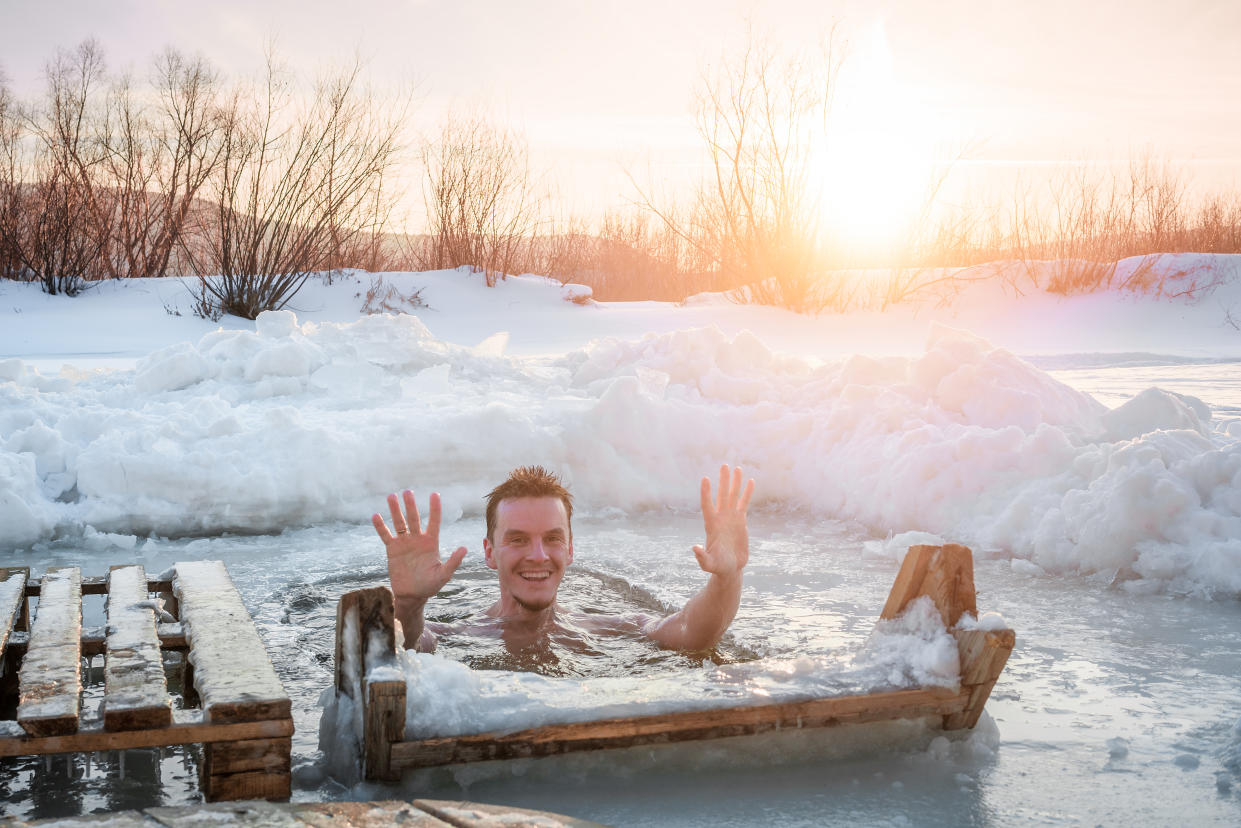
(876, 164)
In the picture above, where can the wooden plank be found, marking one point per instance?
(483, 815)
(93, 737)
(50, 678)
(248, 785)
(945, 573)
(677, 727)
(98, 585)
(12, 599)
(365, 815)
(232, 671)
(270, 755)
(95, 639)
(12, 619)
(983, 656)
(135, 690)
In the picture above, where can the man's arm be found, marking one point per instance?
(704, 619)
(414, 565)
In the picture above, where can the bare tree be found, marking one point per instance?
(48, 208)
(291, 189)
(480, 199)
(756, 218)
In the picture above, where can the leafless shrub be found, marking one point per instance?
(755, 219)
(47, 213)
(292, 190)
(480, 198)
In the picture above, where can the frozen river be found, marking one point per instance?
(1114, 698)
(1101, 494)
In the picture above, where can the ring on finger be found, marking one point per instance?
(402, 531)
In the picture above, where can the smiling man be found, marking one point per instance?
(529, 544)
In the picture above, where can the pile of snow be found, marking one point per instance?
(297, 423)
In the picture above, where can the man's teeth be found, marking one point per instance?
(536, 576)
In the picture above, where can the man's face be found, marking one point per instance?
(531, 549)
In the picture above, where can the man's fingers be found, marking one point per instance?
(433, 515)
(721, 496)
(734, 490)
(398, 519)
(411, 509)
(705, 497)
(701, 555)
(381, 528)
(454, 561)
(745, 497)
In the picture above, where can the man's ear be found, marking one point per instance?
(487, 553)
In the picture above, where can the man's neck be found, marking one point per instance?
(514, 614)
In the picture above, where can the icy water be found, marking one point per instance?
(1117, 707)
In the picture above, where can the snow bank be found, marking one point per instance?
(296, 424)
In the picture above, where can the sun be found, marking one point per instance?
(875, 164)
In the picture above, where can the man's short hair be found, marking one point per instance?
(528, 481)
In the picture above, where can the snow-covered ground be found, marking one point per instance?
(1105, 512)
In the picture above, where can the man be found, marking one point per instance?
(529, 544)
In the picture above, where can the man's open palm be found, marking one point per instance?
(414, 565)
(728, 545)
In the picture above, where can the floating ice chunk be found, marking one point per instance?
(1117, 748)
(1024, 567)
(97, 541)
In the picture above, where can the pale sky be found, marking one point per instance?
(600, 86)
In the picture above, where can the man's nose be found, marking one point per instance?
(537, 552)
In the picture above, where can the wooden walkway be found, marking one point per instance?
(230, 701)
(421, 813)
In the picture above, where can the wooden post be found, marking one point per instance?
(383, 701)
(945, 573)
(983, 656)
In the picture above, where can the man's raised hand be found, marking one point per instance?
(414, 565)
(728, 544)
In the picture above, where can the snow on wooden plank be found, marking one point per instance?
(50, 678)
(549, 740)
(135, 690)
(12, 593)
(232, 671)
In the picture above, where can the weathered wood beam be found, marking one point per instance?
(677, 727)
(944, 573)
(983, 656)
(185, 730)
(232, 671)
(12, 600)
(50, 677)
(96, 585)
(135, 690)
